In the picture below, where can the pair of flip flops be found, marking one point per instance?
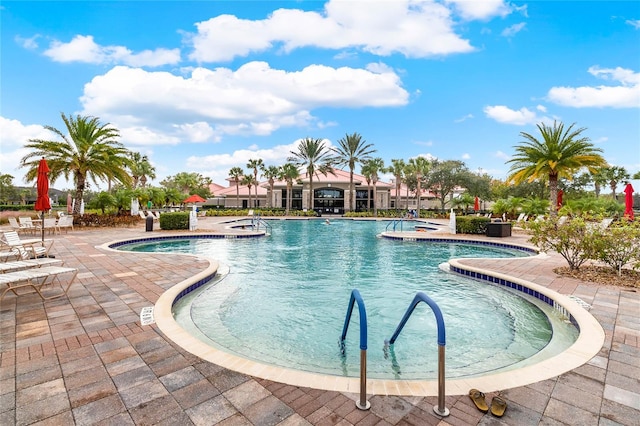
(498, 405)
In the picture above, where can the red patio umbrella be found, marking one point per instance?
(195, 198)
(559, 199)
(43, 202)
(69, 203)
(628, 201)
(476, 204)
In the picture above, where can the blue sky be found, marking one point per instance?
(203, 86)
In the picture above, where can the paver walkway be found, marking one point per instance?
(86, 359)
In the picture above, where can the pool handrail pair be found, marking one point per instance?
(394, 223)
(362, 403)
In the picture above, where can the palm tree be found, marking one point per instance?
(397, 168)
(352, 149)
(141, 169)
(614, 175)
(288, 173)
(366, 171)
(420, 167)
(90, 151)
(271, 173)
(248, 181)
(313, 155)
(559, 154)
(255, 165)
(236, 173)
(373, 166)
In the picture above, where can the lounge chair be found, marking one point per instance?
(13, 222)
(38, 279)
(65, 222)
(19, 265)
(142, 215)
(521, 217)
(156, 215)
(25, 249)
(27, 224)
(50, 224)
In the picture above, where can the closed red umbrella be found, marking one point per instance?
(476, 204)
(559, 199)
(628, 201)
(69, 203)
(43, 202)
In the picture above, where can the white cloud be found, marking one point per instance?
(483, 10)
(624, 95)
(28, 43)
(162, 108)
(465, 118)
(635, 23)
(14, 135)
(501, 155)
(411, 28)
(541, 108)
(513, 29)
(503, 114)
(85, 49)
(465, 156)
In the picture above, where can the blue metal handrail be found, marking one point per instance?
(362, 404)
(395, 224)
(440, 409)
(256, 220)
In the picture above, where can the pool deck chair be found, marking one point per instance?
(39, 279)
(65, 222)
(13, 222)
(18, 265)
(25, 249)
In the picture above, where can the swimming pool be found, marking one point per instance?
(257, 310)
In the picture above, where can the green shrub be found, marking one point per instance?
(175, 220)
(618, 245)
(106, 220)
(471, 224)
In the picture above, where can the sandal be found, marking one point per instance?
(498, 406)
(478, 399)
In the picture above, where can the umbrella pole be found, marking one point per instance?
(42, 226)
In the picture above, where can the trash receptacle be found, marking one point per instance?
(149, 223)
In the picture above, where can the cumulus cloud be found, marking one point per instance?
(85, 49)
(626, 94)
(465, 156)
(503, 114)
(163, 108)
(408, 27)
(14, 135)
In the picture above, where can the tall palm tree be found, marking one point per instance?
(271, 173)
(88, 150)
(314, 156)
(420, 167)
(397, 168)
(559, 154)
(248, 181)
(374, 166)
(236, 173)
(289, 172)
(255, 165)
(352, 149)
(614, 175)
(366, 171)
(141, 169)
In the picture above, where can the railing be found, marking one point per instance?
(362, 404)
(395, 223)
(439, 409)
(256, 221)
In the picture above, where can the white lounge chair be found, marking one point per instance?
(65, 222)
(142, 215)
(25, 249)
(19, 265)
(38, 279)
(50, 224)
(13, 222)
(27, 224)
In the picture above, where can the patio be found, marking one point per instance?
(86, 359)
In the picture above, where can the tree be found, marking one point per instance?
(373, 166)
(248, 180)
(445, 177)
(478, 185)
(103, 201)
(397, 168)
(189, 183)
(7, 190)
(236, 173)
(314, 156)
(352, 149)
(255, 165)
(420, 167)
(636, 175)
(271, 173)
(560, 154)
(465, 200)
(289, 172)
(88, 150)
(141, 169)
(614, 175)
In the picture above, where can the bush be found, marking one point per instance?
(175, 220)
(618, 246)
(471, 224)
(106, 220)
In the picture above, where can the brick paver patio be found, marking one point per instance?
(86, 359)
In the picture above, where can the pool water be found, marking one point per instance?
(283, 301)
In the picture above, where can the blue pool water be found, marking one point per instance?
(284, 300)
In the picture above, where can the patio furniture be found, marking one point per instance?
(39, 279)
